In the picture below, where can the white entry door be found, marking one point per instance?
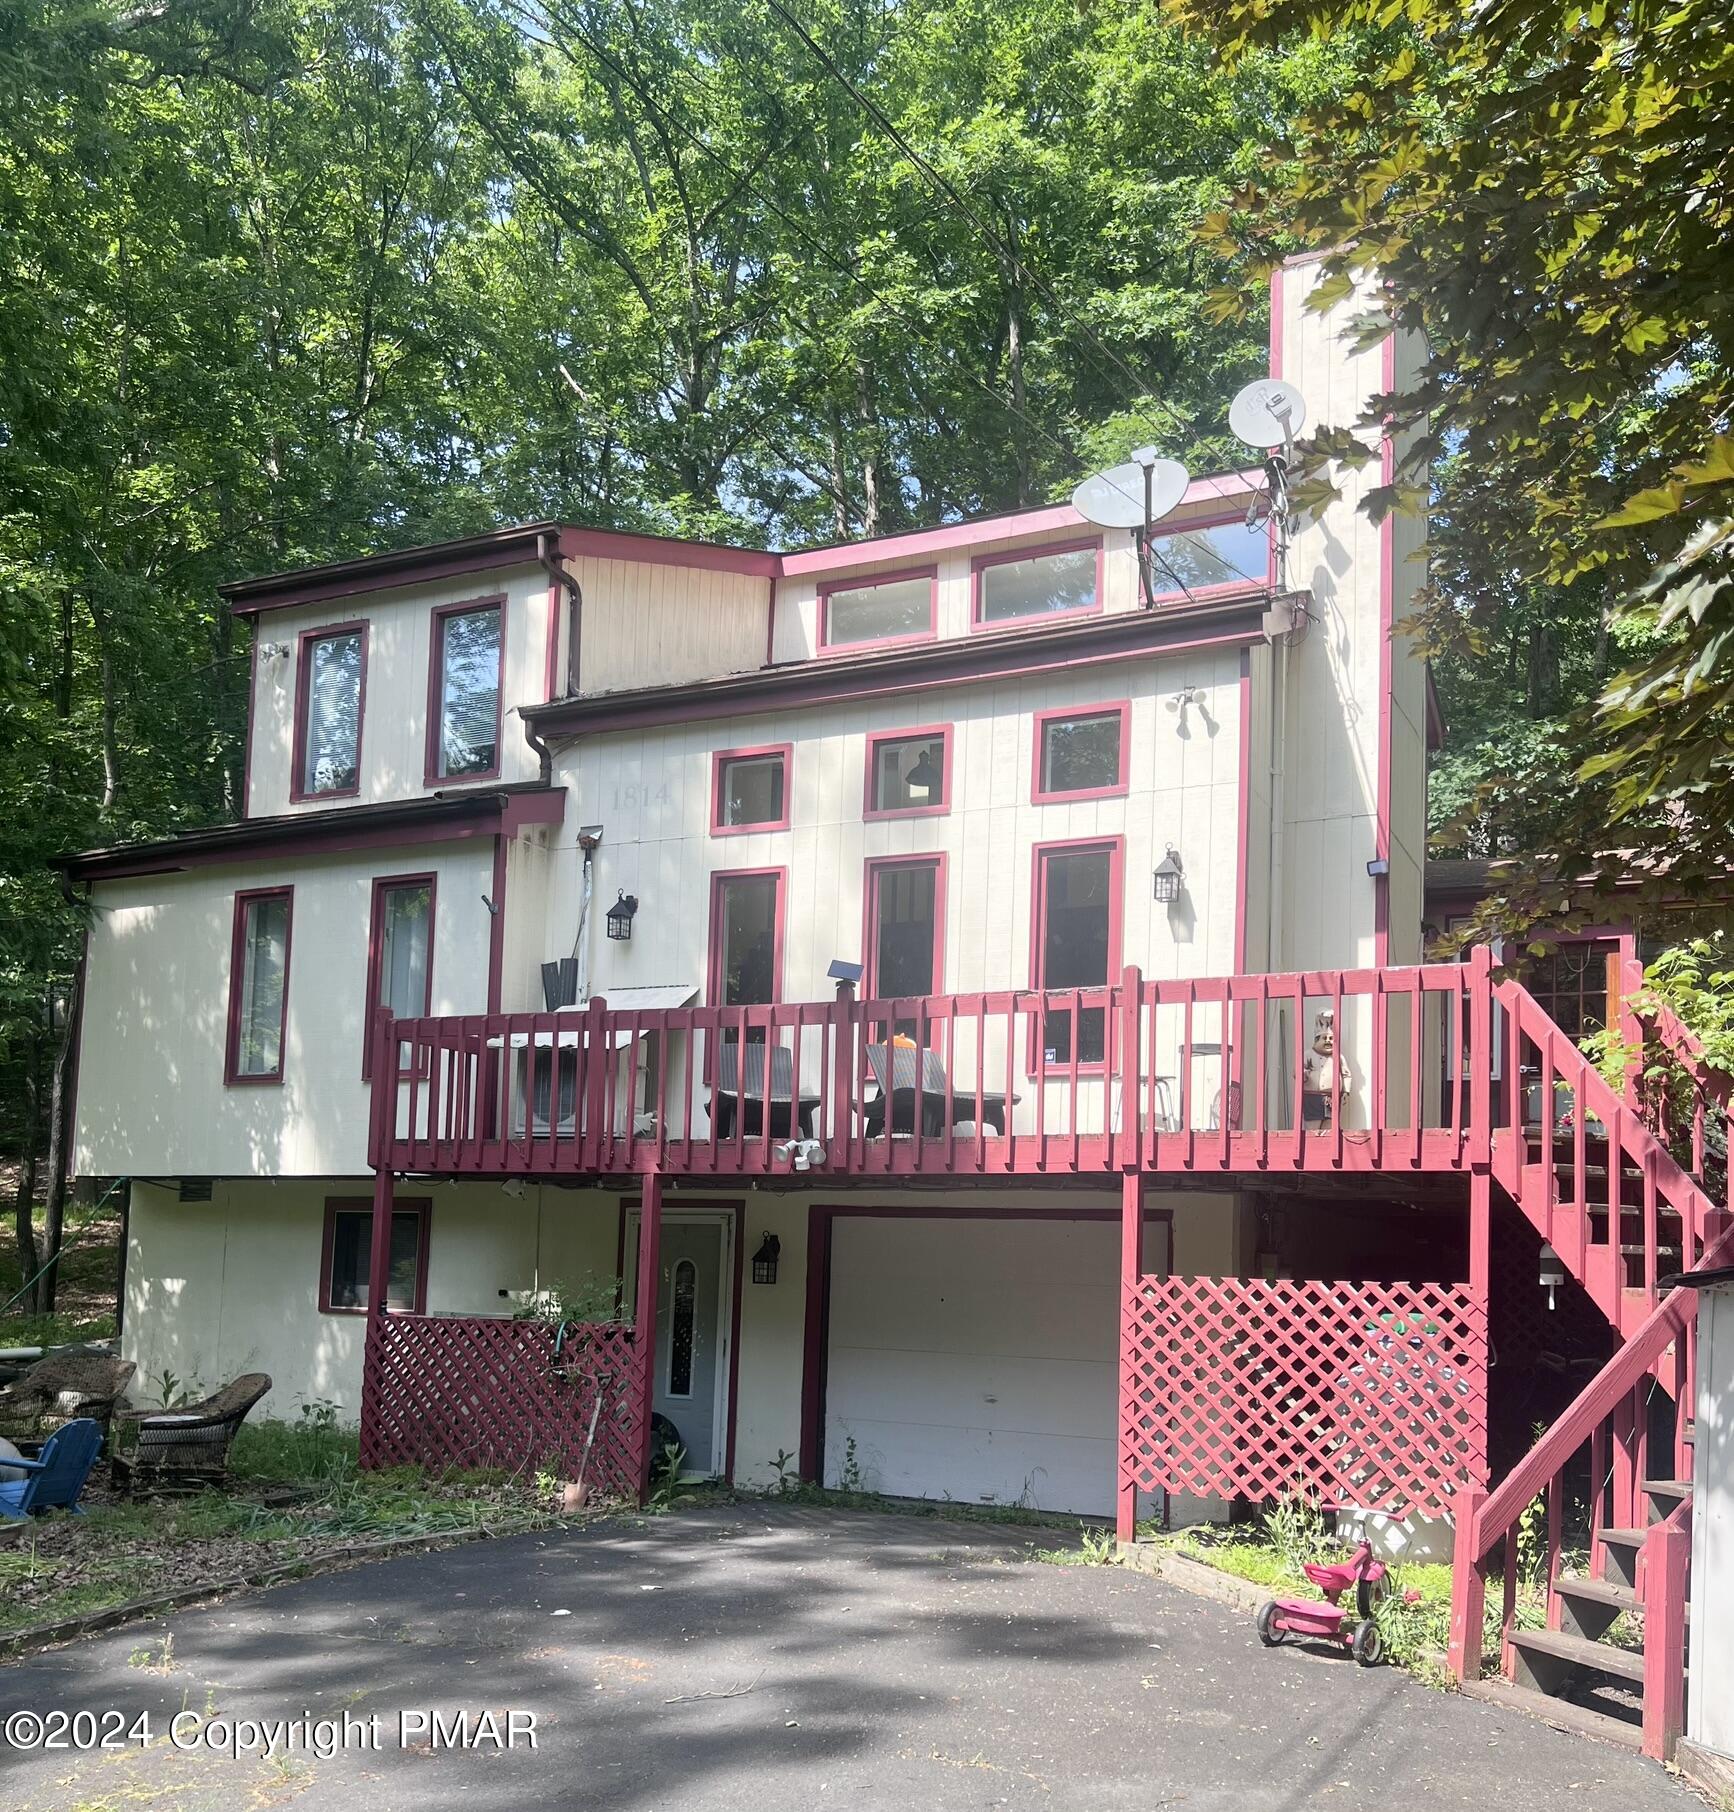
(693, 1313)
(974, 1359)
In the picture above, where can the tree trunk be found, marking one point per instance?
(60, 1135)
(870, 457)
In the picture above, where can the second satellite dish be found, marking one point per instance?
(1116, 499)
(1267, 413)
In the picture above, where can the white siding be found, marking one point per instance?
(645, 625)
(151, 1095)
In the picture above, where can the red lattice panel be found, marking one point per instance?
(482, 1391)
(1372, 1395)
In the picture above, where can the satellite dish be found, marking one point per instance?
(1267, 413)
(1115, 498)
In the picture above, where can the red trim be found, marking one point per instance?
(872, 870)
(439, 617)
(1042, 550)
(815, 1329)
(1120, 708)
(383, 884)
(870, 582)
(298, 790)
(497, 926)
(713, 958)
(246, 810)
(1020, 649)
(1243, 826)
(720, 758)
(1387, 596)
(420, 1206)
(680, 1205)
(1276, 322)
(658, 550)
(232, 1077)
(1039, 853)
(875, 738)
(551, 661)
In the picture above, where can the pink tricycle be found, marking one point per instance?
(1331, 1622)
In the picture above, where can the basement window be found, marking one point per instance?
(348, 1257)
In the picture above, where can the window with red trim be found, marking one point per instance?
(746, 938)
(1076, 939)
(346, 1261)
(895, 607)
(752, 790)
(399, 952)
(259, 985)
(1211, 557)
(1037, 584)
(467, 657)
(905, 930)
(1081, 754)
(328, 708)
(908, 773)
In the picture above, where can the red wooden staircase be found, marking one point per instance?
(1591, 1171)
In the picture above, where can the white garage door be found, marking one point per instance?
(974, 1359)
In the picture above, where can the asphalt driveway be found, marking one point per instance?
(768, 1658)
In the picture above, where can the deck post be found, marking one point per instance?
(378, 1284)
(1480, 984)
(1667, 1554)
(1468, 1588)
(1480, 1291)
(644, 1320)
(1131, 1264)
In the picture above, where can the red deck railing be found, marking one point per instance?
(1151, 1075)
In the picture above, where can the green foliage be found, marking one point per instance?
(593, 1298)
(1542, 192)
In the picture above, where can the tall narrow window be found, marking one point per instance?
(464, 707)
(682, 1327)
(258, 986)
(905, 913)
(1077, 934)
(1045, 582)
(399, 952)
(328, 710)
(746, 938)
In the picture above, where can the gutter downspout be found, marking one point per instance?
(555, 568)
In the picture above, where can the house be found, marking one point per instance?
(969, 1009)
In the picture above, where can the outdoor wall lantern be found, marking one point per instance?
(1170, 877)
(765, 1259)
(1552, 1272)
(923, 778)
(620, 918)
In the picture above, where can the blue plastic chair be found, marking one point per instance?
(54, 1481)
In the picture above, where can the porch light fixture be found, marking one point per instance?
(1170, 877)
(922, 779)
(620, 918)
(765, 1259)
(1552, 1272)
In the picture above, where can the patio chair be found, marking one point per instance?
(61, 1388)
(54, 1481)
(741, 1085)
(188, 1446)
(893, 1070)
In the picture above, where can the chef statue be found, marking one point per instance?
(1326, 1081)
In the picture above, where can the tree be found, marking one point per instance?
(1544, 192)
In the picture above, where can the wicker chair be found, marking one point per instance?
(187, 1446)
(60, 1389)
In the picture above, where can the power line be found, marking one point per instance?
(950, 190)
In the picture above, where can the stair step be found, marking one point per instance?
(1597, 1591)
(1578, 1652)
(1674, 1488)
(1578, 1720)
(1624, 1538)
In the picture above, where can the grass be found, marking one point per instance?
(944, 1509)
(297, 1493)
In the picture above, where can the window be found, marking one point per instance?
(905, 930)
(894, 607)
(333, 684)
(909, 773)
(746, 937)
(1060, 581)
(1082, 754)
(1211, 556)
(347, 1259)
(1076, 940)
(399, 952)
(751, 790)
(682, 1327)
(469, 655)
(258, 985)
